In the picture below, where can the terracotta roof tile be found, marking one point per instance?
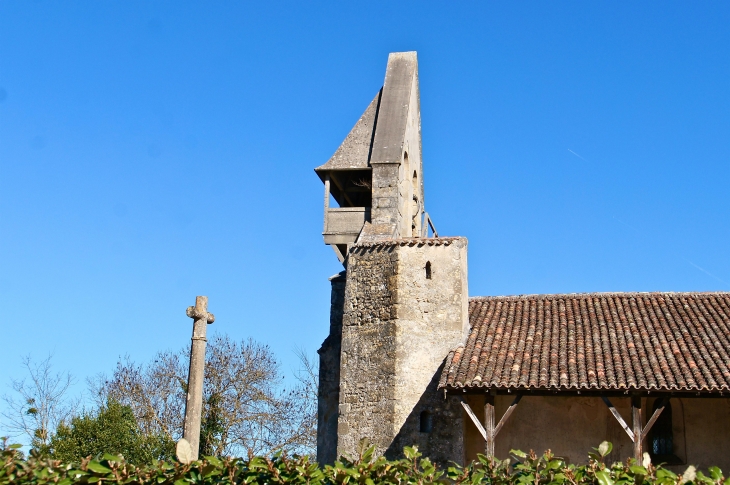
(597, 341)
(409, 241)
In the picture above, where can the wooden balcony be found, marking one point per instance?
(342, 225)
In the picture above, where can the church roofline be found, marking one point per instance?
(410, 241)
(573, 296)
(615, 343)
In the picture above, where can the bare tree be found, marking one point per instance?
(155, 392)
(246, 409)
(305, 395)
(39, 403)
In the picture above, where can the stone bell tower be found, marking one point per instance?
(401, 303)
(375, 176)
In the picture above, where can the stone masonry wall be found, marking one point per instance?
(329, 376)
(398, 327)
(367, 366)
(432, 319)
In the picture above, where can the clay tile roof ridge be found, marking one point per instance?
(606, 294)
(409, 241)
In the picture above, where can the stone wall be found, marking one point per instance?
(367, 366)
(400, 321)
(329, 376)
(397, 195)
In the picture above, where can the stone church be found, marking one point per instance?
(412, 359)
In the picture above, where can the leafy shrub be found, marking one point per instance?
(112, 428)
(522, 469)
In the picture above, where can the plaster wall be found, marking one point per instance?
(705, 424)
(571, 426)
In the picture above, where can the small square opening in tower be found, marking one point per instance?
(426, 424)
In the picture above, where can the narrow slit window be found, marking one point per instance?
(428, 270)
(426, 422)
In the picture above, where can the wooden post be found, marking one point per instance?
(187, 447)
(326, 199)
(637, 425)
(489, 424)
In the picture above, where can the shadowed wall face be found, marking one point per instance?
(329, 376)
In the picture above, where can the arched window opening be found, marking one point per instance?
(428, 270)
(426, 422)
(661, 436)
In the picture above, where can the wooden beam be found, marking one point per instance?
(618, 417)
(654, 417)
(474, 419)
(427, 222)
(433, 228)
(506, 415)
(489, 425)
(636, 422)
(338, 253)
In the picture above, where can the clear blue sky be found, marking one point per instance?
(153, 151)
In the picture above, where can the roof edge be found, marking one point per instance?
(549, 296)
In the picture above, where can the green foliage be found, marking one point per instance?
(112, 429)
(521, 469)
(212, 426)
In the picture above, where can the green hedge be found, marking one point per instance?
(522, 469)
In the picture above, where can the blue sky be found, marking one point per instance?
(153, 151)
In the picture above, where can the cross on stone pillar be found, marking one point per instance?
(187, 447)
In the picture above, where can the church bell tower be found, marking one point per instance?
(401, 303)
(375, 176)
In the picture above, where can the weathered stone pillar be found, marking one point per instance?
(187, 447)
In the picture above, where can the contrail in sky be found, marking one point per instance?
(571, 151)
(708, 273)
(637, 231)
(690, 262)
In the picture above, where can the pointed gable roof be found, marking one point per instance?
(388, 112)
(354, 152)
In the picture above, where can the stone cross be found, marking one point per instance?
(187, 447)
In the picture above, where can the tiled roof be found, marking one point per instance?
(595, 342)
(409, 241)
